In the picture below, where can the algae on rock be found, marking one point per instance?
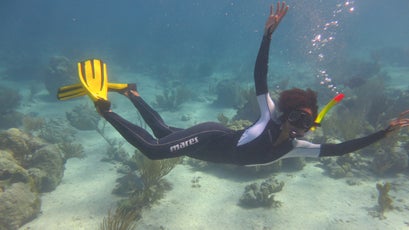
(120, 220)
(19, 199)
(151, 173)
(384, 199)
(261, 195)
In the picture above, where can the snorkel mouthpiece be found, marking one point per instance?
(293, 133)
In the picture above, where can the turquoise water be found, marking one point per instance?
(159, 31)
(143, 36)
(359, 48)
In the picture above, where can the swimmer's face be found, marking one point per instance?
(299, 122)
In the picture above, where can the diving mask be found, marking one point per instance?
(300, 119)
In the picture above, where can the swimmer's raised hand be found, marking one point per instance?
(275, 18)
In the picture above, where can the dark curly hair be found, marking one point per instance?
(296, 98)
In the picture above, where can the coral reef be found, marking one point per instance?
(20, 144)
(344, 124)
(384, 200)
(19, 205)
(223, 119)
(151, 174)
(83, 117)
(57, 131)
(250, 109)
(71, 150)
(172, 99)
(335, 168)
(391, 161)
(230, 94)
(239, 124)
(261, 196)
(9, 100)
(61, 71)
(128, 184)
(152, 171)
(358, 116)
(388, 157)
(46, 166)
(28, 166)
(10, 120)
(120, 220)
(233, 124)
(44, 161)
(32, 124)
(115, 150)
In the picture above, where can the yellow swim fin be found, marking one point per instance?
(94, 78)
(77, 90)
(70, 91)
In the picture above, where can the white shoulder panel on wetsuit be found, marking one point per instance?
(303, 149)
(267, 112)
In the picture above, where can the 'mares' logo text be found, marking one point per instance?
(184, 144)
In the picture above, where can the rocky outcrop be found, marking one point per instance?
(28, 166)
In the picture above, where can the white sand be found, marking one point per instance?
(310, 199)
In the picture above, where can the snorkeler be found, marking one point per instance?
(272, 137)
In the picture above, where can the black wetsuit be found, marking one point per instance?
(214, 142)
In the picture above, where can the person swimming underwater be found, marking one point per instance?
(274, 136)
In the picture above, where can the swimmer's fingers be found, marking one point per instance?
(404, 113)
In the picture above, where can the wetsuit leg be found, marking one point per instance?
(152, 118)
(200, 141)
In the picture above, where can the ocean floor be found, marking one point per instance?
(310, 199)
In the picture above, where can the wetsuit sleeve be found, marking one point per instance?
(350, 146)
(261, 67)
(265, 103)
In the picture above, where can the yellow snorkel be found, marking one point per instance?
(326, 108)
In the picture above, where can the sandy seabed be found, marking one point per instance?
(310, 200)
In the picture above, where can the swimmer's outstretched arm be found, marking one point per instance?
(352, 145)
(261, 67)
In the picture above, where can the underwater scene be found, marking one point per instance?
(63, 166)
